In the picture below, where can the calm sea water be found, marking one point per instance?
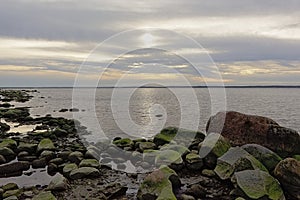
(150, 109)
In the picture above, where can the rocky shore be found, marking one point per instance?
(250, 157)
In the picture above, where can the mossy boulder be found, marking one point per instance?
(168, 157)
(193, 161)
(213, 147)
(45, 144)
(4, 127)
(178, 148)
(44, 196)
(16, 192)
(257, 184)
(28, 147)
(9, 143)
(159, 185)
(7, 153)
(89, 163)
(267, 157)
(124, 142)
(146, 145)
(58, 183)
(180, 136)
(68, 168)
(288, 173)
(234, 160)
(84, 172)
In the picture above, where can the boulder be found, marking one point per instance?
(60, 132)
(58, 183)
(9, 143)
(12, 168)
(124, 142)
(256, 184)
(213, 147)
(193, 161)
(10, 186)
(178, 148)
(243, 129)
(75, 157)
(146, 145)
(28, 147)
(84, 172)
(45, 144)
(4, 127)
(288, 173)
(89, 163)
(7, 153)
(9, 193)
(44, 196)
(267, 157)
(179, 136)
(2, 160)
(159, 185)
(68, 168)
(234, 160)
(168, 157)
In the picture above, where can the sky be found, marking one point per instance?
(65, 43)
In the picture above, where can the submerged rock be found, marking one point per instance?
(234, 160)
(159, 185)
(243, 129)
(288, 173)
(257, 184)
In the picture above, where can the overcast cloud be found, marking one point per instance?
(44, 42)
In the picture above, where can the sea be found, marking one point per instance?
(143, 112)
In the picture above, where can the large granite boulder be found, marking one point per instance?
(243, 129)
(257, 184)
(288, 173)
(159, 185)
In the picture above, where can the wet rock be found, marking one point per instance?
(124, 142)
(45, 144)
(167, 157)
(74, 110)
(178, 148)
(234, 160)
(89, 163)
(11, 198)
(63, 110)
(159, 185)
(16, 192)
(2, 159)
(44, 196)
(186, 197)
(114, 190)
(7, 153)
(146, 145)
(39, 163)
(48, 155)
(9, 143)
(5, 105)
(52, 169)
(4, 127)
(196, 191)
(92, 154)
(68, 168)
(208, 173)
(75, 157)
(60, 132)
(27, 158)
(243, 129)
(57, 161)
(84, 172)
(64, 154)
(58, 183)
(213, 147)
(193, 161)
(10, 186)
(288, 173)
(257, 184)
(178, 135)
(31, 148)
(267, 157)
(11, 168)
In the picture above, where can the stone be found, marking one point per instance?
(9, 143)
(146, 145)
(16, 192)
(75, 157)
(15, 167)
(208, 173)
(48, 155)
(28, 147)
(7, 153)
(242, 129)
(11, 198)
(89, 163)
(178, 148)
(179, 136)
(68, 168)
(167, 157)
(4, 127)
(57, 161)
(193, 161)
(257, 184)
(10, 186)
(39, 163)
(196, 191)
(60, 132)
(124, 142)
(267, 157)
(234, 160)
(187, 197)
(159, 185)
(213, 147)
(2, 159)
(44, 196)
(58, 183)
(114, 190)
(288, 173)
(45, 144)
(84, 172)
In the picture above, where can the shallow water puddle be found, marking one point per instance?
(17, 128)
